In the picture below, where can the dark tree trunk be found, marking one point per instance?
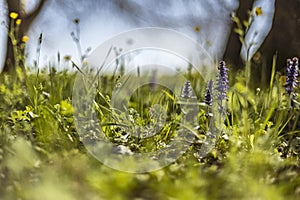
(283, 38)
(283, 41)
(232, 53)
(27, 19)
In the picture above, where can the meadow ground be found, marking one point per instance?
(42, 156)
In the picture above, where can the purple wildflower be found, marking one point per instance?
(292, 75)
(222, 81)
(186, 90)
(208, 98)
(222, 85)
(291, 78)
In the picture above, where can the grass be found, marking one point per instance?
(43, 156)
(41, 153)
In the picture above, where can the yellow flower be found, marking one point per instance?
(67, 58)
(66, 108)
(258, 11)
(269, 123)
(18, 21)
(76, 21)
(25, 38)
(197, 28)
(13, 15)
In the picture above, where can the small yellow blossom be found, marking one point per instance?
(18, 21)
(270, 123)
(85, 63)
(197, 28)
(67, 58)
(258, 11)
(13, 15)
(257, 57)
(66, 108)
(76, 21)
(25, 38)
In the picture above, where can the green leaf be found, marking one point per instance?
(239, 31)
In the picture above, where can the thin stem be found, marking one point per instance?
(245, 110)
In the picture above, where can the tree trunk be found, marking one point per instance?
(232, 53)
(283, 38)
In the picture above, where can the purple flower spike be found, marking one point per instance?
(208, 98)
(186, 90)
(222, 81)
(292, 75)
(292, 72)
